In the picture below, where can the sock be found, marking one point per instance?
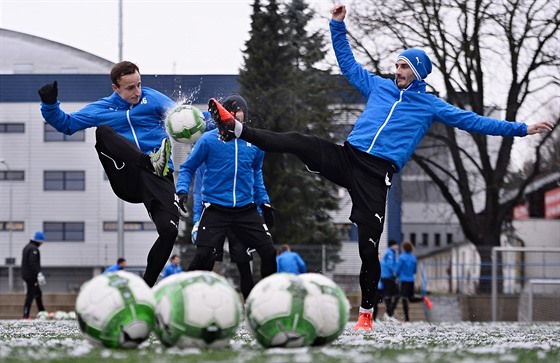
(362, 310)
(238, 129)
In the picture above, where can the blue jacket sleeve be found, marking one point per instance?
(359, 77)
(69, 123)
(398, 267)
(259, 190)
(301, 264)
(473, 122)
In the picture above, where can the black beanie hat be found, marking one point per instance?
(235, 101)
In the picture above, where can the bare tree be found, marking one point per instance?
(480, 48)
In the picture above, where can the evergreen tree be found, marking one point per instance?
(286, 92)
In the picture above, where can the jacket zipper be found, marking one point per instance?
(385, 122)
(235, 175)
(132, 128)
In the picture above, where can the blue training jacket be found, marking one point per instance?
(135, 122)
(388, 264)
(406, 267)
(394, 120)
(171, 269)
(233, 176)
(291, 262)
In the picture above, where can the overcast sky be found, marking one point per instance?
(161, 36)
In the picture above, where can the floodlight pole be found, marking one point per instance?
(10, 260)
(120, 202)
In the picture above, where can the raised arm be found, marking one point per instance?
(338, 12)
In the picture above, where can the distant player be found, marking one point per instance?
(120, 265)
(31, 273)
(232, 189)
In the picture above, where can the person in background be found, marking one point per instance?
(134, 149)
(31, 273)
(389, 280)
(232, 191)
(174, 266)
(120, 265)
(397, 115)
(406, 268)
(288, 261)
(239, 254)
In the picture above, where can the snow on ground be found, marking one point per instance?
(24, 341)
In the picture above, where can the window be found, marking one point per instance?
(64, 180)
(437, 239)
(425, 239)
(52, 135)
(413, 239)
(129, 226)
(64, 231)
(9, 175)
(449, 238)
(12, 128)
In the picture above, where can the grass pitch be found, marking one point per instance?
(62, 341)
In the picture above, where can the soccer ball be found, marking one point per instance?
(116, 310)
(196, 309)
(185, 124)
(326, 305)
(276, 312)
(60, 315)
(43, 315)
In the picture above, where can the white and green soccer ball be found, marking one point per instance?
(116, 310)
(326, 305)
(43, 315)
(60, 315)
(276, 312)
(185, 124)
(196, 309)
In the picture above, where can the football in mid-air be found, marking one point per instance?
(196, 309)
(276, 315)
(116, 310)
(185, 124)
(332, 317)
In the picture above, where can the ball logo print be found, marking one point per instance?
(185, 124)
(116, 310)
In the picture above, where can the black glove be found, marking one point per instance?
(183, 198)
(268, 214)
(49, 93)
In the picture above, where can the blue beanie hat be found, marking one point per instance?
(418, 61)
(235, 101)
(39, 237)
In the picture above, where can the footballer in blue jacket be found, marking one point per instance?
(397, 115)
